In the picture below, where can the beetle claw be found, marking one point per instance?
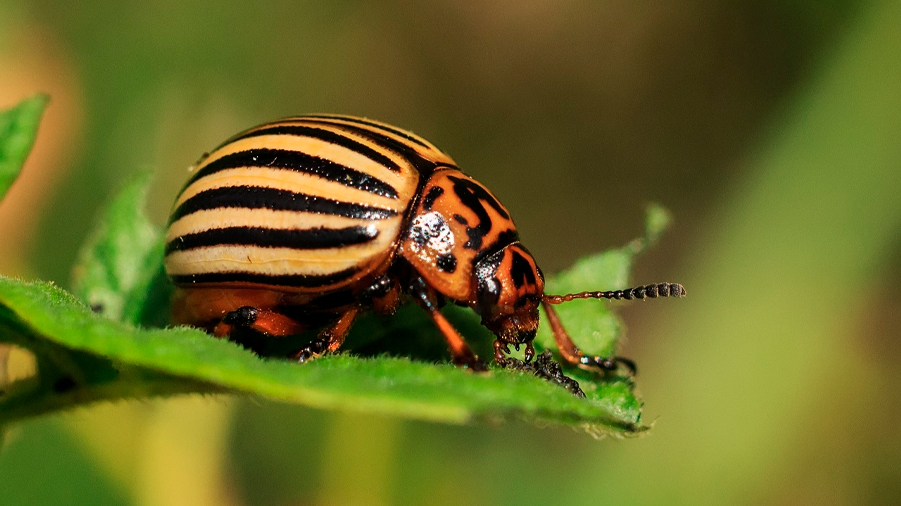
(501, 349)
(608, 365)
(477, 366)
(529, 353)
(473, 363)
(315, 349)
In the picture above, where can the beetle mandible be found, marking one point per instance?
(308, 221)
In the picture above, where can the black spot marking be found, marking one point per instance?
(419, 235)
(460, 219)
(429, 200)
(504, 239)
(473, 196)
(447, 262)
(521, 270)
(526, 299)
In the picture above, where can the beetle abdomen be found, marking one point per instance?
(306, 204)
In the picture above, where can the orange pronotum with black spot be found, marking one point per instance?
(317, 218)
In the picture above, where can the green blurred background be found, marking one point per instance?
(771, 129)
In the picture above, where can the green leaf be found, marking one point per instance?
(86, 356)
(121, 260)
(18, 129)
(155, 359)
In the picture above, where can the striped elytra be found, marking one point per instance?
(303, 204)
(316, 218)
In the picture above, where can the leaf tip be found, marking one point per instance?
(657, 220)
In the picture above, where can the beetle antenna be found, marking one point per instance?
(639, 292)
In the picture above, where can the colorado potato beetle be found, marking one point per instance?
(307, 221)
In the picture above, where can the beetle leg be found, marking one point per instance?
(501, 350)
(386, 300)
(331, 338)
(572, 354)
(334, 336)
(460, 351)
(263, 321)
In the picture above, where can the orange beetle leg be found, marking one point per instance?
(388, 303)
(572, 354)
(460, 351)
(263, 321)
(207, 307)
(331, 338)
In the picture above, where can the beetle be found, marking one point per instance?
(307, 221)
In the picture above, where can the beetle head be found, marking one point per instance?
(509, 287)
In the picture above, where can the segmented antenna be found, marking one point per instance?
(639, 292)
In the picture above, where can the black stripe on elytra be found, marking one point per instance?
(327, 136)
(254, 197)
(373, 124)
(423, 165)
(288, 280)
(298, 162)
(313, 238)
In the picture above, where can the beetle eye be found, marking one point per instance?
(489, 286)
(489, 292)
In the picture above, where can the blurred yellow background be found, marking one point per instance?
(771, 130)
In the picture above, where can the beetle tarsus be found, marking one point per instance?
(608, 365)
(475, 364)
(501, 349)
(315, 349)
(529, 353)
(464, 357)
